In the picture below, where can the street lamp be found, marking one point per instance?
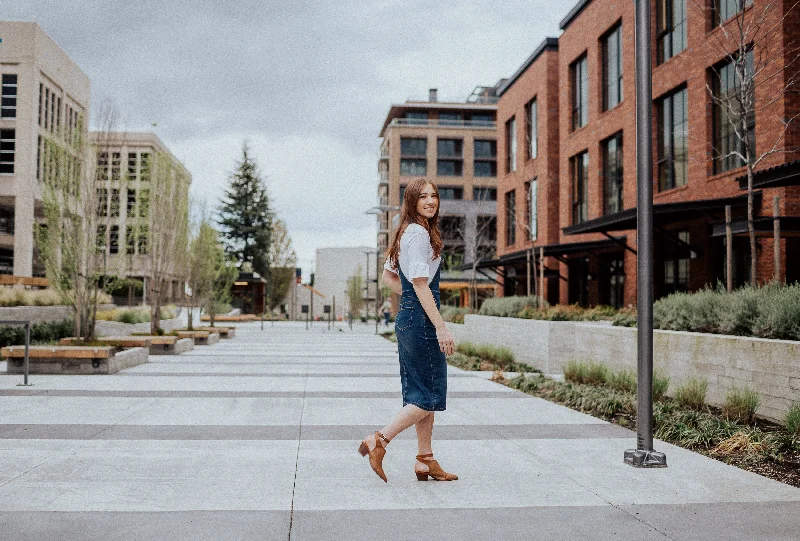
(644, 456)
(378, 210)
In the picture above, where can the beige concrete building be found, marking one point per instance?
(454, 145)
(45, 100)
(127, 164)
(333, 269)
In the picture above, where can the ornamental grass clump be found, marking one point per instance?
(692, 394)
(508, 306)
(454, 314)
(792, 422)
(623, 380)
(660, 385)
(741, 405)
(587, 373)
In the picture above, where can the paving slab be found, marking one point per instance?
(255, 438)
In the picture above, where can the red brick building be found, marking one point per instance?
(585, 171)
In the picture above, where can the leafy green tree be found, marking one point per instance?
(283, 260)
(355, 292)
(245, 216)
(226, 273)
(205, 254)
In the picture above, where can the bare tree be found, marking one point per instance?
(165, 235)
(759, 68)
(67, 241)
(282, 261)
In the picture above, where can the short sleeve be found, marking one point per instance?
(388, 266)
(418, 252)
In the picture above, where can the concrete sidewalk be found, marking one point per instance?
(256, 438)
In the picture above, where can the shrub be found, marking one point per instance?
(792, 421)
(626, 317)
(19, 296)
(589, 373)
(576, 371)
(778, 313)
(40, 333)
(660, 385)
(741, 405)
(507, 306)
(692, 394)
(623, 380)
(454, 314)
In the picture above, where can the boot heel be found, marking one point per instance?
(422, 476)
(363, 449)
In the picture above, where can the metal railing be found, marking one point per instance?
(26, 369)
(435, 122)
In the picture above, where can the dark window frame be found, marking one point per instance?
(511, 217)
(725, 139)
(580, 187)
(613, 174)
(579, 91)
(613, 89)
(668, 154)
(671, 35)
(532, 128)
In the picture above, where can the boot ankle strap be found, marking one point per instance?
(384, 438)
(425, 458)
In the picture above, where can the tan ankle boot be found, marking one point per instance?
(376, 454)
(434, 470)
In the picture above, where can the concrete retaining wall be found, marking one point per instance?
(115, 328)
(769, 367)
(36, 314)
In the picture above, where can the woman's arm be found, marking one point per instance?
(429, 305)
(393, 281)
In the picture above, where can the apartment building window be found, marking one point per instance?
(480, 193)
(612, 174)
(673, 133)
(102, 201)
(450, 119)
(416, 117)
(451, 193)
(532, 203)
(413, 156)
(102, 166)
(144, 171)
(612, 68)
(453, 228)
(46, 104)
(670, 29)
(8, 147)
(450, 157)
(130, 240)
(486, 228)
(725, 9)
(131, 206)
(481, 120)
(579, 76)
(142, 241)
(144, 203)
(532, 128)
(579, 170)
(485, 163)
(8, 98)
(113, 240)
(114, 207)
(511, 218)
(132, 161)
(676, 264)
(101, 237)
(402, 193)
(7, 220)
(41, 101)
(729, 146)
(116, 165)
(511, 145)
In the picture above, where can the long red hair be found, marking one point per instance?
(409, 215)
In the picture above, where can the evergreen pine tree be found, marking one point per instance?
(245, 217)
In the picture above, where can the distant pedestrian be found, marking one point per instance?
(387, 311)
(412, 271)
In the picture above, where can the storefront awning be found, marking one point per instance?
(787, 174)
(789, 225)
(663, 214)
(550, 250)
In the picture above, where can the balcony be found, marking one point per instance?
(437, 123)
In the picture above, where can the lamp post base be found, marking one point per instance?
(645, 459)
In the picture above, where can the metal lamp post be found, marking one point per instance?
(644, 456)
(380, 209)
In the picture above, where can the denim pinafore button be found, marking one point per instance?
(423, 366)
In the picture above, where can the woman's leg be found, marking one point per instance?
(424, 436)
(409, 415)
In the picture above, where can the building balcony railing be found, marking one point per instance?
(436, 123)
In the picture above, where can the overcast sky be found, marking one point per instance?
(307, 84)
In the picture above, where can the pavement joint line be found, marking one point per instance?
(297, 462)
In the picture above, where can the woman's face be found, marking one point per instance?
(428, 202)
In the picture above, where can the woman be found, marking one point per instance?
(412, 271)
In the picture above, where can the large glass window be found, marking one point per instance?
(413, 156)
(450, 119)
(532, 128)
(532, 201)
(450, 157)
(131, 203)
(579, 170)
(8, 98)
(130, 240)
(113, 240)
(453, 228)
(132, 166)
(673, 133)
(670, 28)
(612, 68)
(511, 145)
(612, 174)
(676, 263)
(416, 117)
(144, 172)
(101, 173)
(511, 218)
(725, 9)
(8, 147)
(485, 164)
(101, 242)
(579, 75)
(116, 165)
(450, 193)
(734, 113)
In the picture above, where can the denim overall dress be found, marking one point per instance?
(423, 368)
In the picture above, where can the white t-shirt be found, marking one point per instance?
(416, 254)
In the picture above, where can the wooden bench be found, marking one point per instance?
(201, 338)
(224, 332)
(114, 341)
(232, 319)
(72, 359)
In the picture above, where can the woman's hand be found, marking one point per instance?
(445, 340)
